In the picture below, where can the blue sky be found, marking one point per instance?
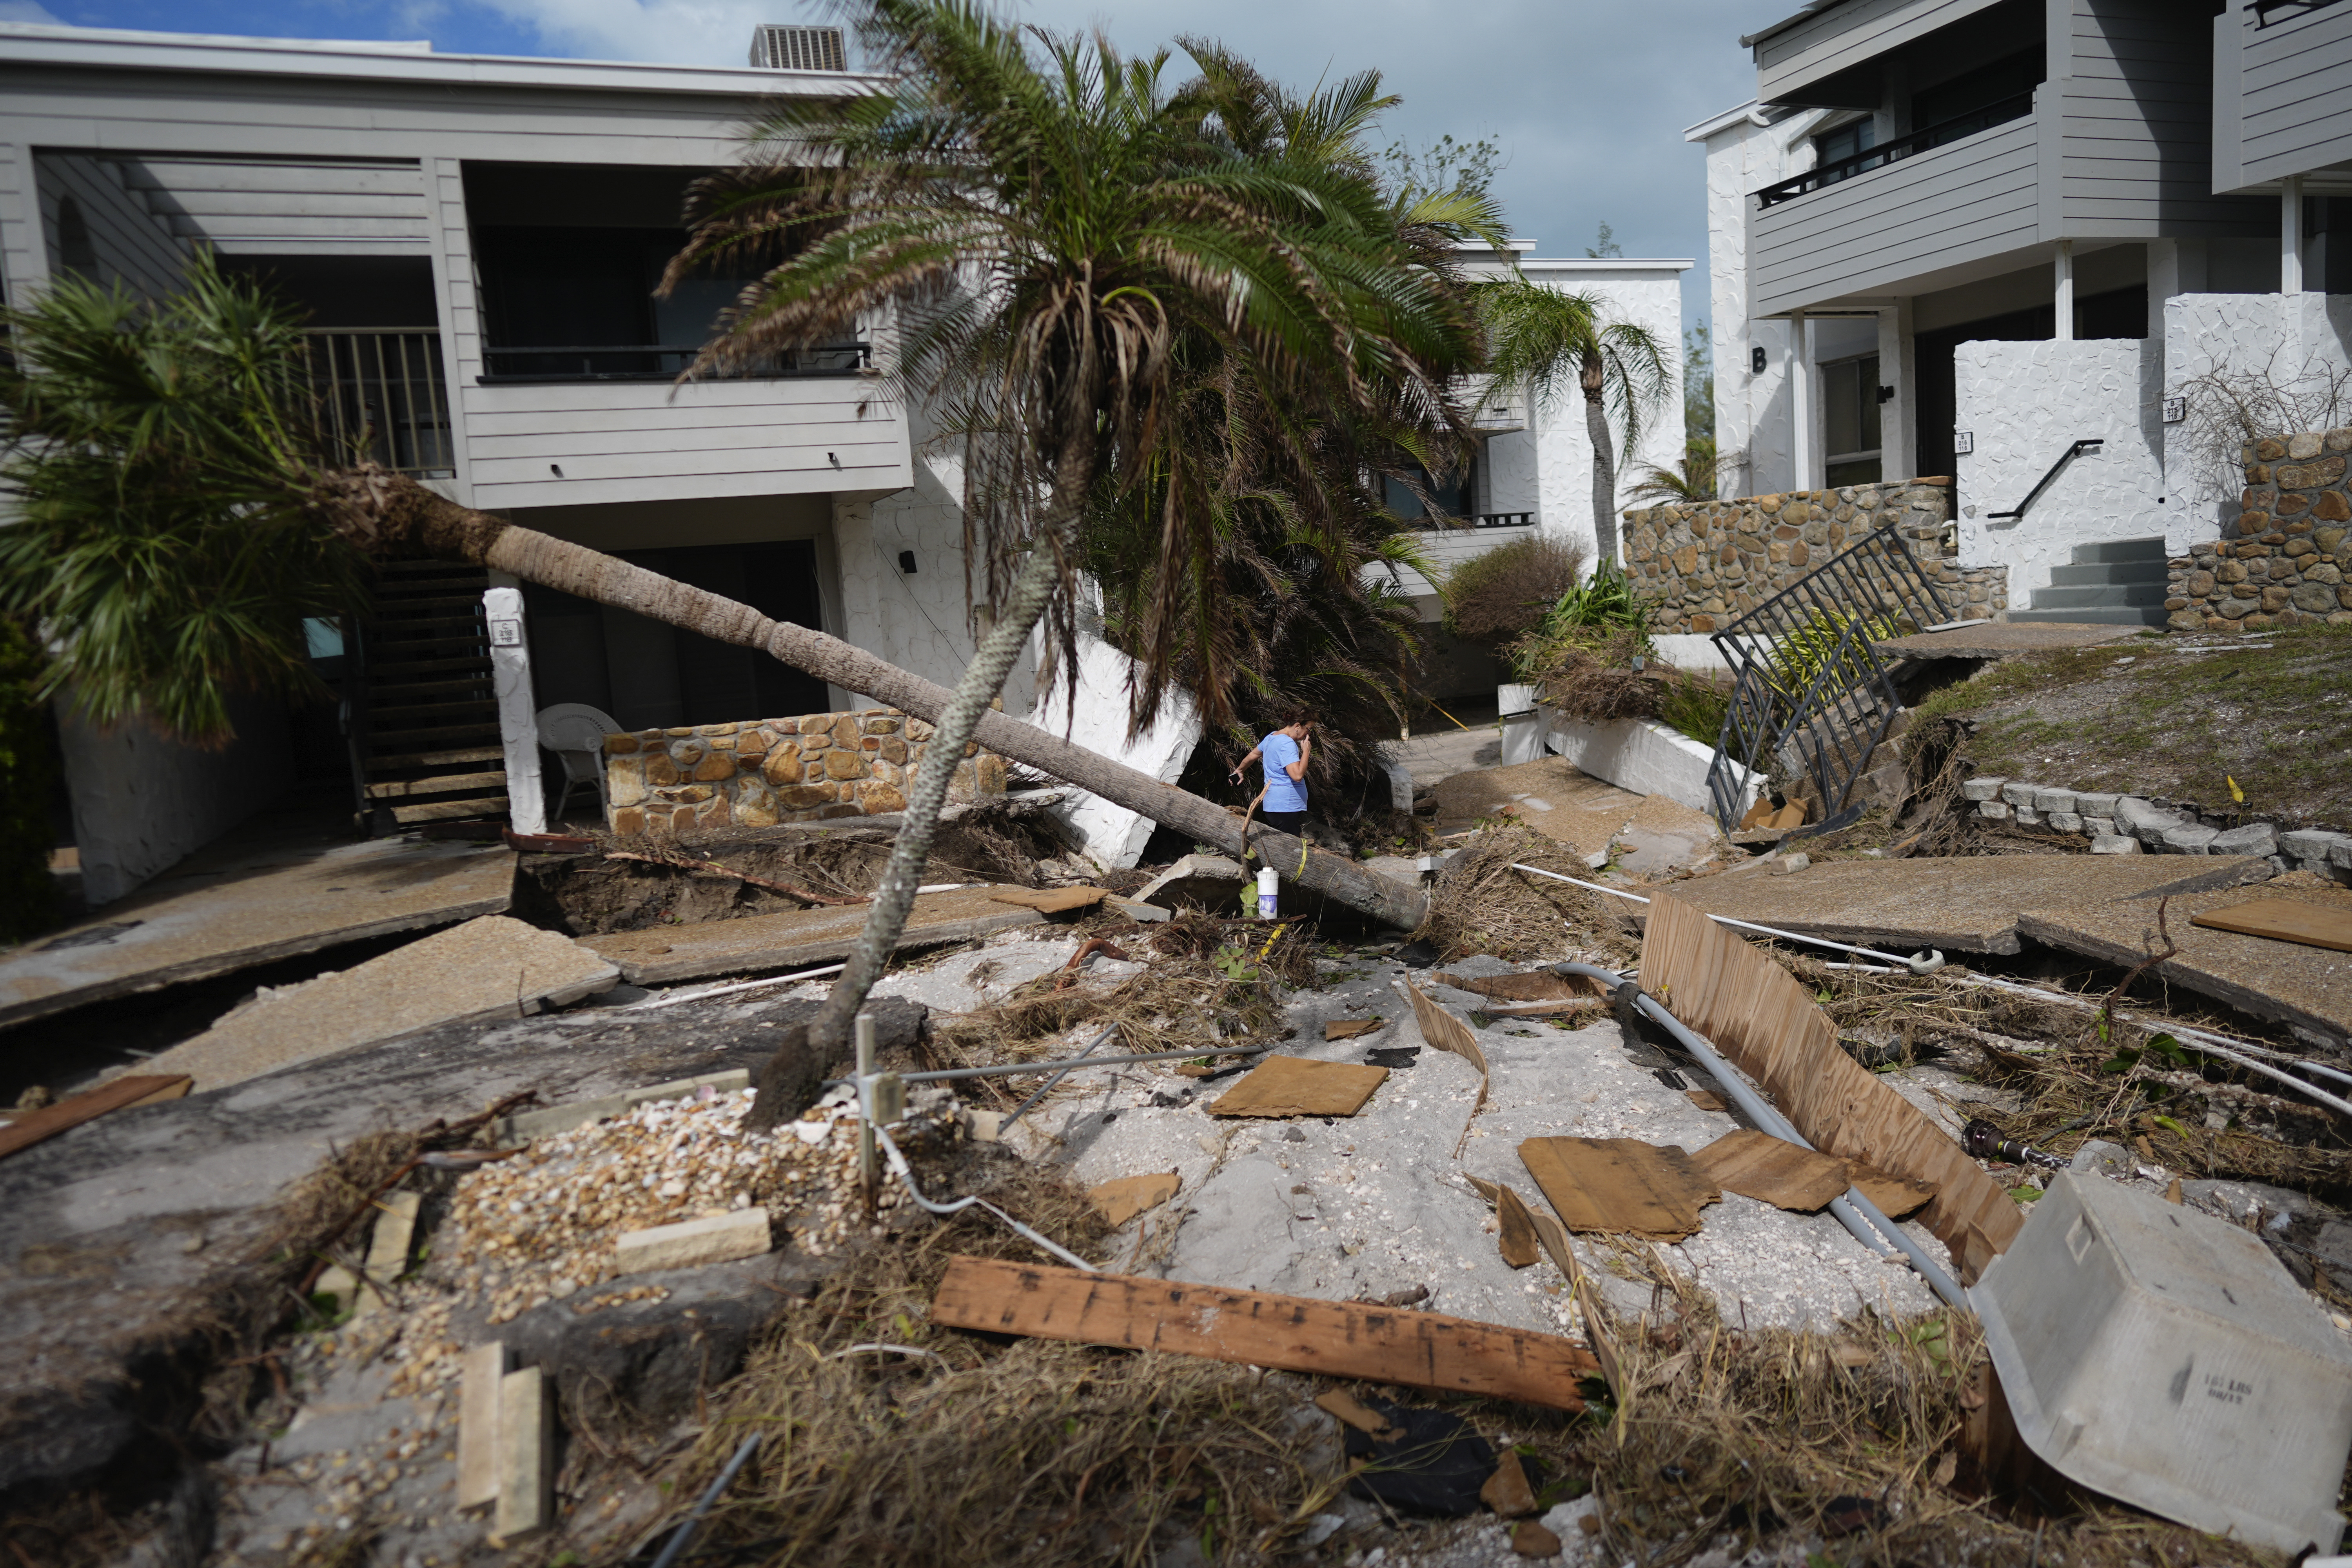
(1586, 98)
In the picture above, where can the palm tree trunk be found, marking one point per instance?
(1604, 475)
(387, 514)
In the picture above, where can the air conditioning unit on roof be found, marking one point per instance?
(781, 48)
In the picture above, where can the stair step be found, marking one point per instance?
(403, 653)
(446, 784)
(379, 766)
(389, 715)
(2110, 596)
(451, 810)
(383, 691)
(2097, 615)
(2109, 571)
(2120, 550)
(444, 738)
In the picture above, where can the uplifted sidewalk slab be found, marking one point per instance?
(2270, 979)
(489, 968)
(1968, 904)
(794, 938)
(2006, 639)
(254, 899)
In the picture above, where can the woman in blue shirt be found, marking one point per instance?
(1283, 803)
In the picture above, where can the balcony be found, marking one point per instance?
(656, 362)
(2002, 112)
(382, 397)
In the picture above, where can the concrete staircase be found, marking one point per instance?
(2117, 585)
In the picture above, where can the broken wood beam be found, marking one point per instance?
(134, 1089)
(1256, 1328)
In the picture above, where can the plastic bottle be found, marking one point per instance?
(1268, 885)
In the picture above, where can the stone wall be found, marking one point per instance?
(2284, 562)
(1701, 564)
(767, 771)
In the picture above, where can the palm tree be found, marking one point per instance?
(1540, 336)
(1693, 479)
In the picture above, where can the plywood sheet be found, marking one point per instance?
(1620, 1185)
(1771, 1170)
(1123, 1199)
(1894, 1195)
(2283, 920)
(1448, 1032)
(1294, 1085)
(1254, 1328)
(1768, 1026)
(1540, 987)
(1348, 1028)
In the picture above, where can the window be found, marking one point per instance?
(1454, 498)
(1848, 140)
(1850, 421)
(1988, 95)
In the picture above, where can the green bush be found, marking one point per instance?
(1583, 618)
(28, 893)
(1507, 591)
(1694, 706)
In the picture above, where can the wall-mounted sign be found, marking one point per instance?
(505, 634)
(1756, 360)
(2175, 409)
(1963, 442)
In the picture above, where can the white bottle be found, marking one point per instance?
(1268, 885)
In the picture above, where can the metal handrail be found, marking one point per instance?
(381, 396)
(2089, 444)
(1475, 520)
(833, 359)
(1942, 133)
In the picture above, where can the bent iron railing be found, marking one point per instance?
(1810, 695)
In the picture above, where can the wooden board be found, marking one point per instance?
(1255, 1328)
(1294, 1085)
(1767, 1023)
(2280, 920)
(1620, 1185)
(1448, 1032)
(1540, 987)
(1348, 1028)
(1894, 1195)
(1123, 1199)
(1050, 900)
(1758, 1166)
(134, 1089)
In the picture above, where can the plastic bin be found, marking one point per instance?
(2167, 1358)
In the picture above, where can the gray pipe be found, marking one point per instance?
(1854, 1211)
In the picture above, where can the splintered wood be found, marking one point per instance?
(1768, 1026)
(1295, 1085)
(1620, 1185)
(1050, 900)
(1256, 1328)
(1121, 1200)
(1758, 1166)
(120, 1094)
(1448, 1032)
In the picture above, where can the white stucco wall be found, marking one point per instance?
(2026, 403)
(1098, 720)
(2303, 341)
(918, 621)
(1547, 468)
(1752, 414)
(141, 804)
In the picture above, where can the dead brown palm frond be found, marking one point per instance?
(1481, 905)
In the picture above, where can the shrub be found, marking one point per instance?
(1506, 593)
(28, 893)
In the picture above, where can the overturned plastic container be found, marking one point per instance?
(2167, 1358)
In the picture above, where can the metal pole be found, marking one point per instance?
(1854, 1211)
(868, 1185)
(1014, 1069)
(1047, 1087)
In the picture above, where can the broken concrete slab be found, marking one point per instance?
(490, 967)
(1550, 795)
(2311, 986)
(1209, 882)
(2004, 640)
(795, 939)
(252, 899)
(1956, 903)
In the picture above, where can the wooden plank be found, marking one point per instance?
(2282, 920)
(1758, 1166)
(400, 789)
(1295, 1085)
(135, 1088)
(1050, 900)
(1540, 987)
(1768, 1026)
(451, 810)
(1122, 1199)
(1256, 1328)
(1348, 1028)
(1894, 1195)
(1620, 1186)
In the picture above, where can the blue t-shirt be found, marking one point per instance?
(1283, 792)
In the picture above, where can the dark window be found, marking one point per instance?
(1846, 142)
(647, 675)
(1454, 495)
(1972, 94)
(1931, 361)
(2118, 313)
(1849, 434)
(75, 250)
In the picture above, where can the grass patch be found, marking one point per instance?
(2161, 717)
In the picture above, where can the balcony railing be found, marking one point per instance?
(382, 397)
(654, 361)
(1937, 135)
(1480, 520)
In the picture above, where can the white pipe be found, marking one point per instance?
(2065, 293)
(2290, 235)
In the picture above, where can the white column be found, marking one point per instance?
(1899, 415)
(1801, 403)
(518, 717)
(2290, 235)
(2065, 293)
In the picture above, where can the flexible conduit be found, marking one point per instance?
(1855, 1212)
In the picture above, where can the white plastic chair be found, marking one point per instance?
(576, 732)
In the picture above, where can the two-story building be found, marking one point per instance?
(475, 243)
(1966, 238)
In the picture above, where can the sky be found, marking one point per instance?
(1586, 98)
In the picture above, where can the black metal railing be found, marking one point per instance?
(1810, 695)
(2091, 444)
(381, 396)
(1940, 134)
(1475, 520)
(657, 362)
